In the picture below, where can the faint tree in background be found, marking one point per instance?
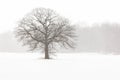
(43, 29)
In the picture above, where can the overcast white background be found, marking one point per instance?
(78, 11)
(64, 66)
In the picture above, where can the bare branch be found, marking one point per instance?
(43, 28)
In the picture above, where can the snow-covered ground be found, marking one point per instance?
(63, 67)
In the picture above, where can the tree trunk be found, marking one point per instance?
(46, 52)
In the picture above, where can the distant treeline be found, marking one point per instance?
(104, 38)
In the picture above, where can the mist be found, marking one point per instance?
(98, 38)
(8, 43)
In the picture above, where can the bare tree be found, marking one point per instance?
(44, 29)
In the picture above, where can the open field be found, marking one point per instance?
(62, 67)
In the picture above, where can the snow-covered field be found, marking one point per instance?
(63, 67)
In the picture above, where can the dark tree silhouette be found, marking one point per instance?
(45, 30)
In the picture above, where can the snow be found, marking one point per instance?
(29, 66)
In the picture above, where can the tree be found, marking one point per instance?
(44, 29)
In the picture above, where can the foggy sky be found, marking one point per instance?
(78, 11)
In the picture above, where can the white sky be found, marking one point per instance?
(78, 11)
